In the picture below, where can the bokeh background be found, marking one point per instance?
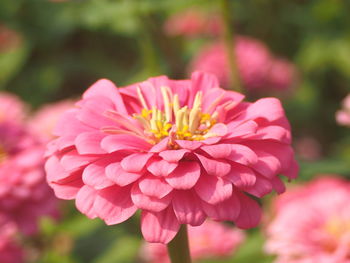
(59, 48)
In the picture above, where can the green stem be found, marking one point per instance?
(230, 44)
(178, 248)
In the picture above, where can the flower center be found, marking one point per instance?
(180, 123)
(337, 227)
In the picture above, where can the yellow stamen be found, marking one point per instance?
(190, 124)
(167, 106)
(141, 98)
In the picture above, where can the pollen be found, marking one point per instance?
(174, 120)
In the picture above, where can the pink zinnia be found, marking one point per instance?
(179, 150)
(46, 118)
(312, 223)
(257, 68)
(24, 194)
(192, 23)
(210, 240)
(281, 76)
(343, 116)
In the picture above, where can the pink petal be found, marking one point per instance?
(261, 187)
(213, 190)
(214, 167)
(273, 132)
(185, 176)
(116, 173)
(54, 170)
(118, 142)
(68, 124)
(202, 82)
(85, 199)
(268, 165)
(94, 109)
(149, 203)
(250, 213)
(269, 109)
(160, 146)
(293, 170)
(89, 143)
(246, 128)
(189, 145)
(219, 129)
(173, 156)
(114, 205)
(160, 167)
(218, 151)
(278, 185)
(94, 175)
(226, 210)
(106, 88)
(283, 152)
(134, 163)
(159, 227)
(154, 186)
(242, 154)
(68, 190)
(241, 176)
(72, 160)
(187, 208)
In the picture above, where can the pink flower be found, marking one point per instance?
(282, 75)
(343, 116)
(46, 118)
(11, 107)
(192, 23)
(210, 240)
(256, 66)
(312, 223)
(24, 194)
(179, 150)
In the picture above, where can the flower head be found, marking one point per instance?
(343, 116)
(179, 150)
(312, 223)
(210, 240)
(24, 194)
(257, 68)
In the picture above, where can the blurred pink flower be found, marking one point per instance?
(179, 150)
(257, 67)
(24, 193)
(312, 223)
(11, 108)
(210, 240)
(45, 119)
(343, 116)
(282, 75)
(192, 23)
(9, 39)
(10, 252)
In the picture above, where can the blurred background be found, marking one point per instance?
(300, 50)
